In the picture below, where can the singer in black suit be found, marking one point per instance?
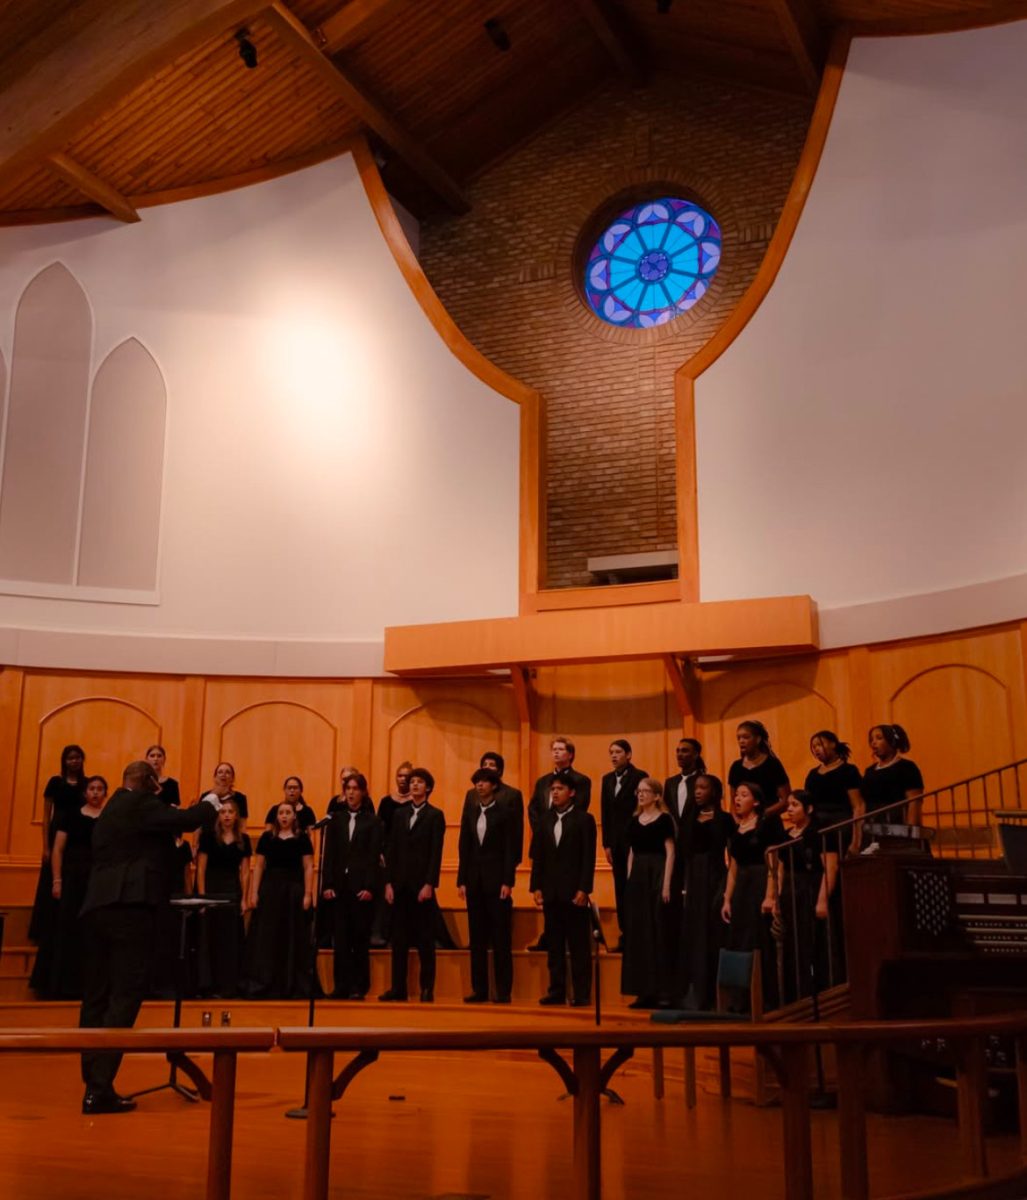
(352, 877)
(617, 807)
(506, 797)
(562, 751)
(413, 863)
(128, 883)
(485, 880)
(562, 875)
(679, 797)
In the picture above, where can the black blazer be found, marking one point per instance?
(130, 848)
(559, 872)
(539, 805)
(670, 796)
(617, 811)
(353, 865)
(512, 800)
(413, 857)
(492, 863)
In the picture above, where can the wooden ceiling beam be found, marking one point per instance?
(92, 187)
(344, 27)
(609, 27)
(94, 53)
(295, 34)
(805, 37)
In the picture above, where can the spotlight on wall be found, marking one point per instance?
(663, 6)
(498, 35)
(247, 50)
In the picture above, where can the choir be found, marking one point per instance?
(696, 867)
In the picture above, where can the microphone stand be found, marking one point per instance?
(300, 1113)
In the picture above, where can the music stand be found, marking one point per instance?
(186, 905)
(599, 939)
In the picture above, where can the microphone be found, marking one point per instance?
(323, 822)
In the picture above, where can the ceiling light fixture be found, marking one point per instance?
(498, 35)
(247, 50)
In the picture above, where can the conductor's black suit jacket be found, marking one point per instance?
(413, 856)
(130, 848)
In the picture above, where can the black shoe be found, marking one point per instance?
(643, 1002)
(539, 945)
(501, 1000)
(357, 996)
(106, 1102)
(553, 998)
(427, 996)
(474, 998)
(391, 995)
(581, 1003)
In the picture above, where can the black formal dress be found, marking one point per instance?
(646, 965)
(750, 927)
(128, 882)
(222, 930)
(617, 807)
(882, 786)
(413, 859)
(305, 817)
(702, 930)
(488, 863)
(804, 942)
(829, 791)
(65, 798)
(66, 965)
(563, 864)
(679, 797)
(769, 775)
(278, 944)
(509, 798)
(352, 864)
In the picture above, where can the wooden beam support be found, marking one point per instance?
(92, 55)
(92, 186)
(608, 26)
(524, 696)
(804, 37)
(295, 34)
(346, 26)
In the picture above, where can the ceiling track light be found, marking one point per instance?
(497, 34)
(247, 50)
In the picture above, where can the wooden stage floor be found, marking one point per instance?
(414, 1127)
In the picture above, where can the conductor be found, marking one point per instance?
(127, 884)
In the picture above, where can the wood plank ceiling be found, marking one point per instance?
(107, 106)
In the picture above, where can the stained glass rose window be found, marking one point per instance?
(652, 263)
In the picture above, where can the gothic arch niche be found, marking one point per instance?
(267, 741)
(44, 446)
(121, 524)
(959, 720)
(791, 713)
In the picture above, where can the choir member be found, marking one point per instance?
(281, 895)
(397, 798)
(506, 797)
(63, 795)
(892, 776)
(703, 844)
(617, 809)
(223, 871)
(562, 874)
(485, 878)
(352, 879)
(751, 891)
(224, 789)
(760, 765)
(806, 878)
(292, 793)
(678, 795)
(71, 859)
(650, 836)
(169, 791)
(413, 863)
(834, 787)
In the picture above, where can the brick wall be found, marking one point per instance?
(506, 272)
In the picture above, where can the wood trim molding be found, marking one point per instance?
(1001, 12)
(607, 596)
(796, 26)
(351, 21)
(744, 311)
(529, 400)
(92, 186)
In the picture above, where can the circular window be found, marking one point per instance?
(652, 263)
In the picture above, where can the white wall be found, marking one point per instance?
(330, 468)
(865, 438)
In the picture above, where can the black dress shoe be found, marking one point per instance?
(643, 1002)
(427, 996)
(392, 995)
(106, 1102)
(581, 1004)
(553, 998)
(474, 998)
(501, 1000)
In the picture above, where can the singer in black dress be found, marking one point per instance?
(64, 794)
(759, 764)
(650, 836)
(71, 860)
(834, 788)
(292, 793)
(281, 894)
(806, 880)
(703, 871)
(892, 777)
(224, 788)
(169, 790)
(223, 871)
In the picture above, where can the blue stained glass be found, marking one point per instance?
(652, 263)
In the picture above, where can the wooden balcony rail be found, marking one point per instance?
(786, 1048)
(226, 1045)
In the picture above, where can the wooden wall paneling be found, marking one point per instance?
(11, 683)
(185, 761)
(269, 729)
